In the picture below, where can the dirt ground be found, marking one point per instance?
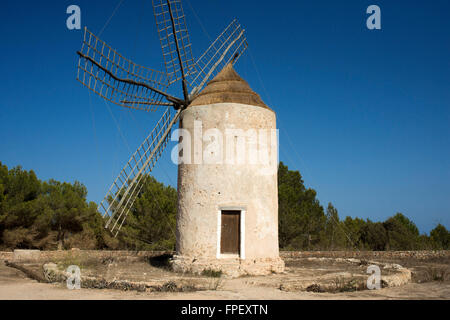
(15, 285)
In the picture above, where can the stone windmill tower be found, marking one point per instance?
(228, 203)
(227, 210)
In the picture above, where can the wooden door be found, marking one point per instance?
(231, 232)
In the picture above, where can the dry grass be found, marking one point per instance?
(437, 274)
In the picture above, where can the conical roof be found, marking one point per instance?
(228, 86)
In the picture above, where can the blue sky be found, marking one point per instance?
(363, 114)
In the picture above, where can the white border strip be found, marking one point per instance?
(219, 234)
(242, 234)
(242, 231)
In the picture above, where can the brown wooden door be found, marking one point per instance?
(231, 231)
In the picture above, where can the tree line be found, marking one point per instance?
(49, 215)
(304, 224)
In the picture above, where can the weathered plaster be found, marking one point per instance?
(205, 189)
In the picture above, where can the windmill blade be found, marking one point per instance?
(119, 80)
(121, 196)
(229, 46)
(174, 38)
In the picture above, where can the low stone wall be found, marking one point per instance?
(367, 254)
(45, 256)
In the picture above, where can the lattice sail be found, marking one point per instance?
(229, 46)
(121, 196)
(117, 79)
(164, 11)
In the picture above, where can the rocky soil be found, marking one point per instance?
(305, 278)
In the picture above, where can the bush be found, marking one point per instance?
(212, 273)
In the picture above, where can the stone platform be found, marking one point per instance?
(233, 267)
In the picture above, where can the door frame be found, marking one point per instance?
(241, 236)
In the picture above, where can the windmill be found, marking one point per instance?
(121, 81)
